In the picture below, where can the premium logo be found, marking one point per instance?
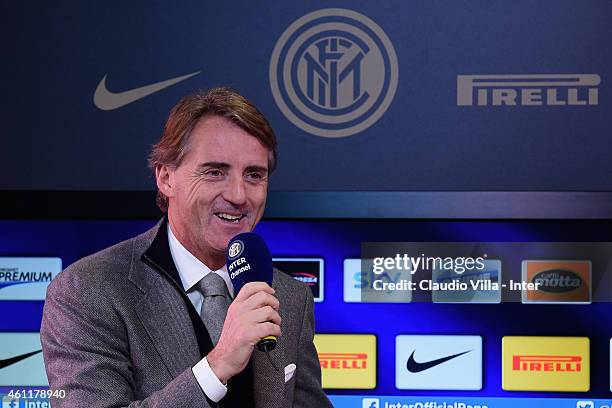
(306, 270)
(557, 281)
(528, 90)
(347, 360)
(21, 360)
(333, 72)
(359, 281)
(107, 100)
(545, 363)
(483, 286)
(27, 278)
(436, 362)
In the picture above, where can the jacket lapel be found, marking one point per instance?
(165, 310)
(166, 320)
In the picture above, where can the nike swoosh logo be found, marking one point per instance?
(10, 361)
(415, 367)
(107, 100)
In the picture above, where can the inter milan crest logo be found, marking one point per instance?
(333, 72)
(235, 249)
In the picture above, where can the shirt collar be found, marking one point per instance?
(190, 269)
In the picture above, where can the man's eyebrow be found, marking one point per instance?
(214, 165)
(263, 169)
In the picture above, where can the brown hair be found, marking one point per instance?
(225, 102)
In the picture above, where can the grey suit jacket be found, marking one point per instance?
(116, 332)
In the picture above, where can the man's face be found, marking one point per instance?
(219, 189)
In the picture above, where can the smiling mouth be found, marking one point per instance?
(235, 219)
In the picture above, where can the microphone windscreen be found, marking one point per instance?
(248, 260)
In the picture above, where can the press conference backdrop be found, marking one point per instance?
(394, 95)
(364, 96)
(365, 348)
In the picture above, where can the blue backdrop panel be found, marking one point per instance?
(335, 240)
(543, 124)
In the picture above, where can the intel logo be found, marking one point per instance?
(333, 72)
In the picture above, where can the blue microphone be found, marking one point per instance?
(249, 260)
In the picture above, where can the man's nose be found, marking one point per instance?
(235, 192)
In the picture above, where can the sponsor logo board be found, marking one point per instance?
(347, 360)
(309, 271)
(558, 281)
(27, 278)
(438, 362)
(483, 286)
(21, 360)
(532, 363)
(359, 283)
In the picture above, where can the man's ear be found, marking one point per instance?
(163, 177)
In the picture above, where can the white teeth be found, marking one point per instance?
(229, 217)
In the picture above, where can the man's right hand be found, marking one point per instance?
(252, 316)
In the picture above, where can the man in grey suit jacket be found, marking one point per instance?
(127, 326)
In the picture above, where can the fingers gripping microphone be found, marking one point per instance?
(249, 260)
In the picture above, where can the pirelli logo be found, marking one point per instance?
(538, 363)
(348, 361)
(559, 364)
(344, 361)
(528, 90)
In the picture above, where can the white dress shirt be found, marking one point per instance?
(191, 270)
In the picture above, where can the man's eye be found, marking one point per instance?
(213, 173)
(255, 176)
